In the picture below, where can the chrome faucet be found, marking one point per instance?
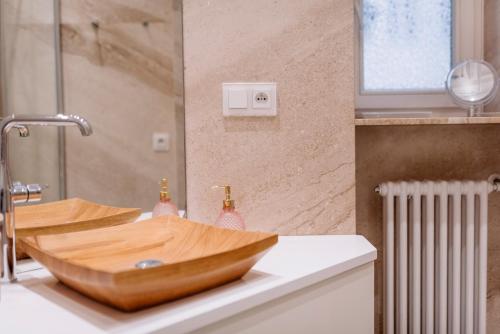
(12, 193)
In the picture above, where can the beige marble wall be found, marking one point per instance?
(294, 173)
(123, 71)
(492, 55)
(492, 42)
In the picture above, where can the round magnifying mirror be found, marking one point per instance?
(472, 84)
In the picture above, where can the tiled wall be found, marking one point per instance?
(123, 70)
(293, 174)
(492, 42)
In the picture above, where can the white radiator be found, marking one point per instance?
(435, 253)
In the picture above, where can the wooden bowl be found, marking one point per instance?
(69, 215)
(102, 263)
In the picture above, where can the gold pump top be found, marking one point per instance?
(164, 195)
(227, 203)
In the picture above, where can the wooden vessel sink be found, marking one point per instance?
(137, 265)
(69, 215)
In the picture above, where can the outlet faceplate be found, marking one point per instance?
(161, 142)
(260, 99)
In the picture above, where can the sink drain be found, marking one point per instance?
(148, 264)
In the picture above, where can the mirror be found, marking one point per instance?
(472, 84)
(119, 64)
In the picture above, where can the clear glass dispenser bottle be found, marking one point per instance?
(165, 206)
(229, 217)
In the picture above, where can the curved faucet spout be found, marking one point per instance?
(85, 127)
(21, 122)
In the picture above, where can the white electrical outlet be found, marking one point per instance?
(249, 99)
(161, 142)
(261, 99)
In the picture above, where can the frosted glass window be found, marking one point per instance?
(406, 44)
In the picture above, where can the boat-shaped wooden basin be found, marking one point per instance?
(104, 264)
(69, 215)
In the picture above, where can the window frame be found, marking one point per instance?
(468, 43)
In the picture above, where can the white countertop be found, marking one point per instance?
(39, 304)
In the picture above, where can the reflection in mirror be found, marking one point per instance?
(472, 84)
(122, 69)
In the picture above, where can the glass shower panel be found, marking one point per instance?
(29, 87)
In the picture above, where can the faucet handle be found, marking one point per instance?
(29, 193)
(18, 192)
(35, 192)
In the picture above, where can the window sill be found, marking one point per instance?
(427, 120)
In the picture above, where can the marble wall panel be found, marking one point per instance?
(294, 173)
(123, 71)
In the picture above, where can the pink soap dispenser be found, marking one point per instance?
(229, 217)
(165, 206)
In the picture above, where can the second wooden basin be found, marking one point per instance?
(69, 215)
(189, 257)
(65, 216)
